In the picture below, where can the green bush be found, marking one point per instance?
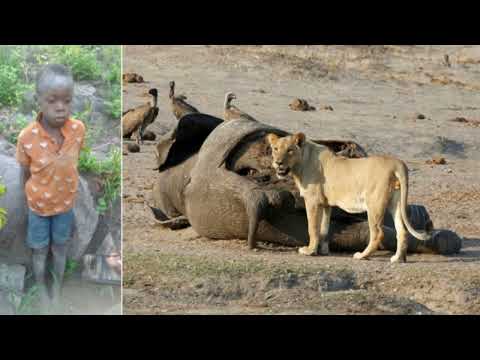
(81, 60)
(12, 130)
(10, 91)
(12, 67)
(110, 171)
(114, 104)
(111, 56)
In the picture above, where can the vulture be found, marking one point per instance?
(231, 112)
(136, 120)
(179, 106)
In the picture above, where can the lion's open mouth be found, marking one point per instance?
(283, 171)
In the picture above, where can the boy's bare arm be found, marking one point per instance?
(25, 174)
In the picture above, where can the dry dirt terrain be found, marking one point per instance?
(396, 100)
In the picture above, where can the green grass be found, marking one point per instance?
(70, 267)
(28, 303)
(110, 171)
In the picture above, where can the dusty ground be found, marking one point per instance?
(377, 94)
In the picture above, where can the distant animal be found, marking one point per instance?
(132, 78)
(301, 105)
(371, 184)
(231, 112)
(179, 106)
(135, 121)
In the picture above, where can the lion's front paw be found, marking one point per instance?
(306, 251)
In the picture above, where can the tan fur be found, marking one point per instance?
(132, 78)
(371, 184)
(300, 105)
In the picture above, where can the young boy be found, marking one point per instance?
(48, 149)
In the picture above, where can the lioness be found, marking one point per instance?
(324, 179)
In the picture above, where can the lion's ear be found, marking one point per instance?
(272, 138)
(299, 139)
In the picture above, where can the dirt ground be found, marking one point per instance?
(396, 100)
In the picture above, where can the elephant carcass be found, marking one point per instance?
(202, 165)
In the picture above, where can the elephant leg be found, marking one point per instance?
(256, 205)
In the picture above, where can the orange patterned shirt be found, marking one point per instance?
(52, 187)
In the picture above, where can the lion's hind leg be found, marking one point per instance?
(376, 214)
(402, 240)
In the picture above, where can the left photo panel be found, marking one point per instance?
(60, 179)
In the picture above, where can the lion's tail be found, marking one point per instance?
(401, 174)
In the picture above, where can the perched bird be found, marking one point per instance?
(446, 58)
(135, 121)
(179, 106)
(231, 112)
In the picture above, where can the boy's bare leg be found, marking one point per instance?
(59, 260)
(39, 264)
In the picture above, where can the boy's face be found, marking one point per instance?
(55, 101)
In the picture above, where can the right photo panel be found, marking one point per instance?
(295, 179)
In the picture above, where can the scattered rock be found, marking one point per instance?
(468, 56)
(132, 78)
(149, 136)
(421, 117)
(327, 107)
(133, 148)
(300, 105)
(437, 160)
(468, 122)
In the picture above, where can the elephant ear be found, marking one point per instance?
(185, 140)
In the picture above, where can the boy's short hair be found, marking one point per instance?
(49, 71)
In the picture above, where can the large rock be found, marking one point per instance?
(6, 305)
(86, 220)
(12, 236)
(12, 277)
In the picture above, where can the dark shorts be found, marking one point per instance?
(43, 230)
